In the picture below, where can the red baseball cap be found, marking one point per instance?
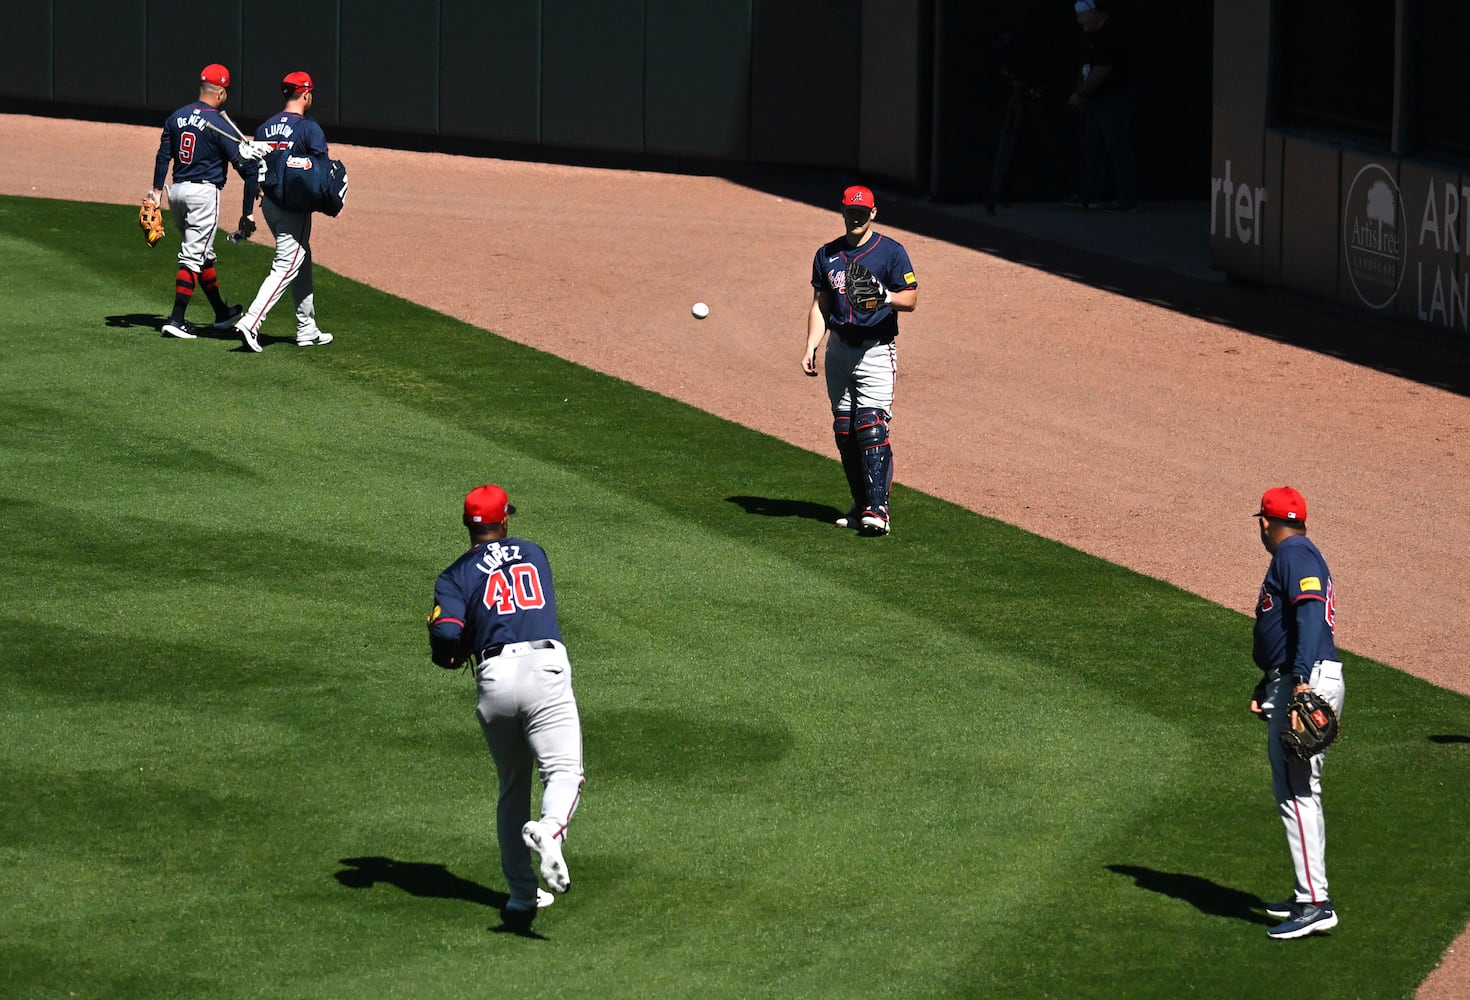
(1284, 503)
(298, 82)
(487, 504)
(859, 196)
(216, 74)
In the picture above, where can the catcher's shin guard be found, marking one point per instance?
(871, 432)
(852, 459)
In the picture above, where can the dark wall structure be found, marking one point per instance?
(1341, 160)
(989, 53)
(911, 93)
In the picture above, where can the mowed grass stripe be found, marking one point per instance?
(960, 761)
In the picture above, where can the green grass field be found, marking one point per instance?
(961, 761)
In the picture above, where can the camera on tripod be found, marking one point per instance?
(1029, 67)
(1021, 59)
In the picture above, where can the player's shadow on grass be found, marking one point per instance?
(148, 321)
(130, 320)
(428, 881)
(1450, 738)
(1204, 895)
(767, 507)
(417, 878)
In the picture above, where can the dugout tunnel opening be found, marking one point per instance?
(1002, 73)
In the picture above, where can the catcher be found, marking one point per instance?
(860, 282)
(195, 142)
(1300, 698)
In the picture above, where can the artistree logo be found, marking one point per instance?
(1371, 237)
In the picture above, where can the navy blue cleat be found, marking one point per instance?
(1310, 918)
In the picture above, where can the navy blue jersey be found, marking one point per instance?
(497, 592)
(889, 262)
(1296, 613)
(294, 133)
(196, 153)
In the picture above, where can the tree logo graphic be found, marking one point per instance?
(1372, 240)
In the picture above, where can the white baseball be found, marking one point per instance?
(700, 310)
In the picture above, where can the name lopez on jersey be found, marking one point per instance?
(497, 555)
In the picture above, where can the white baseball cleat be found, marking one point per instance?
(543, 900)
(316, 339)
(252, 342)
(875, 521)
(180, 330)
(541, 838)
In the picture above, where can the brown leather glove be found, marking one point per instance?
(150, 220)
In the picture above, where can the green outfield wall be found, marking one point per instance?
(908, 92)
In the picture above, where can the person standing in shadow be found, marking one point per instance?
(1107, 95)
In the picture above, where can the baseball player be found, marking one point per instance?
(495, 611)
(862, 356)
(1295, 618)
(199, 156)
(290, 131)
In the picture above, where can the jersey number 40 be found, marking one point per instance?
(514, 588)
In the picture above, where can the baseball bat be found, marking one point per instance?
(215, 128)
(238, 132)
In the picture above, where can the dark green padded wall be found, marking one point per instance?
(390, 66)
(25, 52)
(592, 74)
(806, 57)
(180, 44)
(697, 99)
(893, 84)
(105, 63)
(269, 54)
(766, 81)
(490, 69)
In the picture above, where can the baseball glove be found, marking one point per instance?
(150, 220)
(243, 231)
(1313, 725)
(865, 293)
